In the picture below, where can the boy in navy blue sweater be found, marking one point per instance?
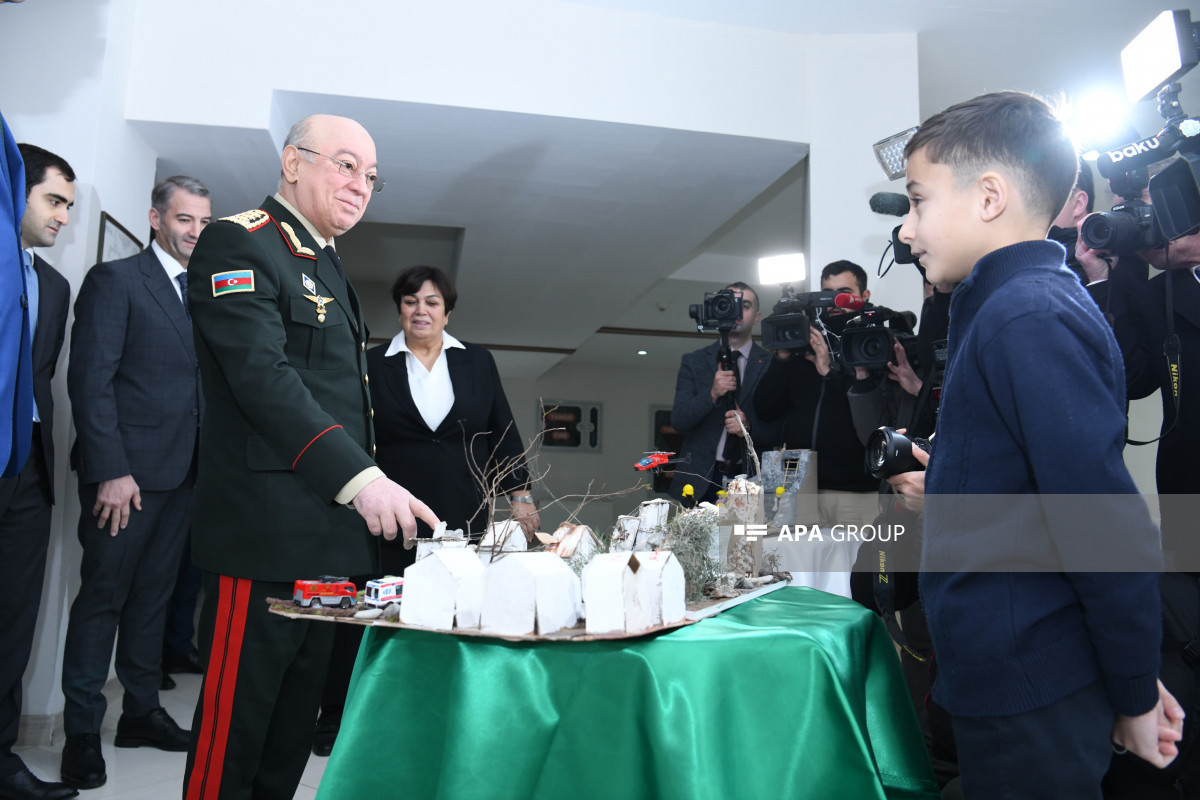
(1044, 669)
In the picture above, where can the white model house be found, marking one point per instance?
(633, 592)
(528, 593)
(444, 590)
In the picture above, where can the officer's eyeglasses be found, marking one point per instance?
(374, 183)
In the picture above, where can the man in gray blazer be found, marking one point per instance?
(709, 401)
(133, 380)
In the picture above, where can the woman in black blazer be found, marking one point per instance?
(441, 416)
(441, 419)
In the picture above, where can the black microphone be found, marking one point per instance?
(890, 203)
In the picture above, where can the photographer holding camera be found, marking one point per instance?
(712, 394)
(807, 395)
(1157, 323)
(903, 392)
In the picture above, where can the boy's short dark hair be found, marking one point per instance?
(838, 267)
(410, 281)
(37, 161)
(1013, 130)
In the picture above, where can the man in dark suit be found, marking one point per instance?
(712, 405)
(135, 394)
(287, 479)
(26, 500)
(1139, 314)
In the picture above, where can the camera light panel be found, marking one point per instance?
(787, 268)
(890, 153)
(1162, 52)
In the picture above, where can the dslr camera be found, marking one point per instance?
(889, 453)
(720, 311)
(1130, 226)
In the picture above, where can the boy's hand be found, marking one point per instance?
(1170, 723)
(910, 486)
(1152, 736)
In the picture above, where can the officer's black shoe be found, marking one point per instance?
(24, 785)
(324, 736)
(82, 763)
(155, 729)
(167, 682)
(189, 663)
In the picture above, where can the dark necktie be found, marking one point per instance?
(337, 262)
(181, 279)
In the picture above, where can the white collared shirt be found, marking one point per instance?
(431, 389)
(173, 267)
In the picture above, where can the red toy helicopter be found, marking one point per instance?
(655, 461)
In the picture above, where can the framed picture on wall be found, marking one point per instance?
(115, 240)
(571, 425)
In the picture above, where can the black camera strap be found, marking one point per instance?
(1173, 351)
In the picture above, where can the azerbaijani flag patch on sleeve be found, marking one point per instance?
(238, 280)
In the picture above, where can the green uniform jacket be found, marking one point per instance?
(288, 418)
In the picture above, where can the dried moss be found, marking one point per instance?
(690, 537)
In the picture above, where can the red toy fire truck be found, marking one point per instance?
(325, 591)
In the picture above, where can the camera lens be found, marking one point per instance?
(876, 453)
(722, 307)
(1115, 231)
(873, 347)
(889, 452)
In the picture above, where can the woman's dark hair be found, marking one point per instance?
(410, 281)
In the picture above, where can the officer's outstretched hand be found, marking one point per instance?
(387, 507)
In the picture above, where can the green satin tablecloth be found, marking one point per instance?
(797, 694)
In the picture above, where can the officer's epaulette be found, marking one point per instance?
(251, 220)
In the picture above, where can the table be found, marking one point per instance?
(797, 694)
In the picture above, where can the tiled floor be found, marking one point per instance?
(144, 773)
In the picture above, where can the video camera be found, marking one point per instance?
(865, 341)
(797, 313)
(1174, 209)
(868, 338)
(720, 311)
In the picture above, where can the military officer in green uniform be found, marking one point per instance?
(287, 487)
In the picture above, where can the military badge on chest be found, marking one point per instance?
(314, 297)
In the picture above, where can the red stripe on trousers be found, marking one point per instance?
(220, 680)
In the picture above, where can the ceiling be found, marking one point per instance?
(558, 228)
